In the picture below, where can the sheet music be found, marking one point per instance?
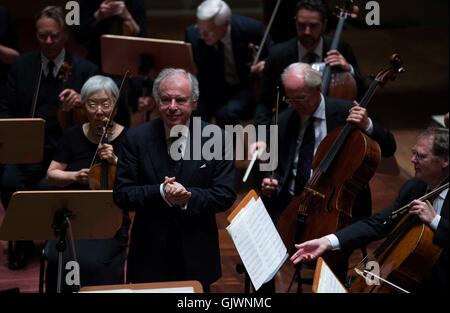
(258, 243)
(328, 282)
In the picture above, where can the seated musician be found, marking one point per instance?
(220, 45)
(430, 160)
(101, 261)
(302, 126)
(309, 46)
(61, 77)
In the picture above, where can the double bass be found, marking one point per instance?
(344, 163)
(404, 258)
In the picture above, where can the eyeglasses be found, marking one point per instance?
(293, 101)
(44, 36)
(418, 156)
(166, 101)
(104, 105)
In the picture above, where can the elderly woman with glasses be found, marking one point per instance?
(101, 261)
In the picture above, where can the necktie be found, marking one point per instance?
(50, 68)
(305, 157)
(174, 165)
(309, 58)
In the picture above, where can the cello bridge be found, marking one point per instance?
(315, 193)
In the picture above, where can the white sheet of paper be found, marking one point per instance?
(328, 281)
(257, 240)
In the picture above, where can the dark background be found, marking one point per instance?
(417, 30)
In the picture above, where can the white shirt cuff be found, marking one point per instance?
(163, 195)
(369, 129)
(335, 245)
(352, 70)
(435, 222)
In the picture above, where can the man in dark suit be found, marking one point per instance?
(430, 160)
(302, 126)
(61, 77)
(309, 46)
(174, 235)
(221, 48)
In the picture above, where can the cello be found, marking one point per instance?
(405, 257)
(345, 161)
(338, 84)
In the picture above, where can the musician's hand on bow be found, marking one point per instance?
(424, 210)
(335, 58)
(69, 99)
(106, 152)
(81, 176)
(258, 68)
(268, 186)
(310, 250)
(358, 116)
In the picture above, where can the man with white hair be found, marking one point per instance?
(302, 126)
(221, 44)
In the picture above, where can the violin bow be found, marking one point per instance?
(108, 122)
(36, 91)
(266, 33)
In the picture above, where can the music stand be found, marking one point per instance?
(14, 133)
(160, 287)
(122, 53)
(46, 215)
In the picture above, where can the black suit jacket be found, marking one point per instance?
(281, 56)
(22, 82)
(372, 228)
(336, 112)
(211, 75)
(159, 229)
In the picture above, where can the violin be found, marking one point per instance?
(76, 116)
(405, 257)
(102, 174)
(338, 84)
(345, 161)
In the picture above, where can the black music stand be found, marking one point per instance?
(14, 133)
(82, 215)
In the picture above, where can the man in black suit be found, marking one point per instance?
(221, 48)
(302, 126)
(49, 65)
(174, 235)
(309, 46)
(430, 160)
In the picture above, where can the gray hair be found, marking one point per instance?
(99, 83)
(312, 77)
(440, 140)
(169, 72)
(53, 12)
(217, 10)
